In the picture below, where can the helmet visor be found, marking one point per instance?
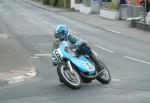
(59, 35)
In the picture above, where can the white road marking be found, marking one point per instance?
(116, 80)
(16, 79)
(112, 31)
(135, 59)
(110, 51)
(32, 73)
(3, 36)
(42, 55)
(34, 57)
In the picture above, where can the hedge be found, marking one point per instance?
(53, 2)
(46, 2)
(58, 3)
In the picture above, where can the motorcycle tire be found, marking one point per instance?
(101, 78)
(71, 80)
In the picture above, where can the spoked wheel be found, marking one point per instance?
(70, 79)
(104, 77)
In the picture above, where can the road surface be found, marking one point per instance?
(32, 28)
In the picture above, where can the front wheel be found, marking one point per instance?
(70, 79)
(104, 77)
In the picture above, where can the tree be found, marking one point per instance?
(46, 2)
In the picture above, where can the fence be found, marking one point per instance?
(125, 10)
(134, 11)
(86, 3)
(130, 11)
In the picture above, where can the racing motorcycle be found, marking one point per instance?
(74, 69)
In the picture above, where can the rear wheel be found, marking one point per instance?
(70, 79)
(104, 77)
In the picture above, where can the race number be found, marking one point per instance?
(56, 55)
(88, 65)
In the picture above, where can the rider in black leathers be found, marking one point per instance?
(62, 34)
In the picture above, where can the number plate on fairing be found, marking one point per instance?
(56, 55)
(89, 66)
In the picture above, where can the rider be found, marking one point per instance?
(62, 34)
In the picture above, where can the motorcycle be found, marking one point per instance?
(73, 69)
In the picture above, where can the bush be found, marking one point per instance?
(46, 2)
(53, 2)
(58, 3)
(86, 3)
(38, 0)
(111, 5)
(66, 3)
(132, 2)
(63, 3)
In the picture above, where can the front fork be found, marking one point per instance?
(70, 66)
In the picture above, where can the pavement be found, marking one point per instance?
(14, 66)
(121, 27)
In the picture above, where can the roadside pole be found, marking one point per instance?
(145, 3)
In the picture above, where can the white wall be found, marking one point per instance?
(110, 14)
(73, 5)
(86, 10)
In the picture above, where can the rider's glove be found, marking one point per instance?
(74, 46)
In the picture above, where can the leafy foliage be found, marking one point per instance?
(86, 2)
(46, 2)
(111, 5)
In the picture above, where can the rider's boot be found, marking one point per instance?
(99, 68)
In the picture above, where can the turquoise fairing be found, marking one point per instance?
(78, 61)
